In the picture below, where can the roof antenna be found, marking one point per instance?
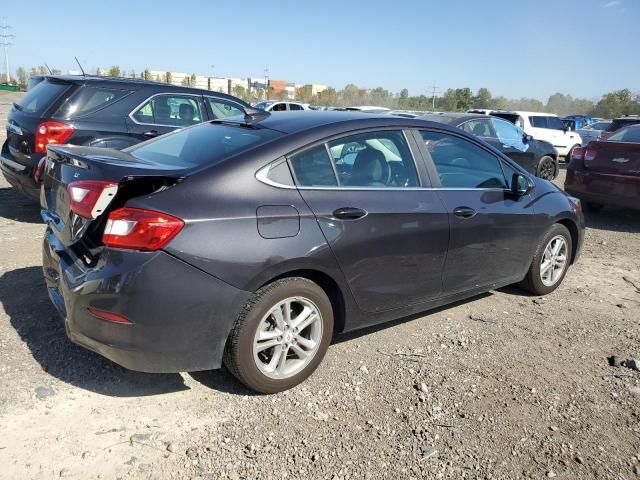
(50, 72)
(81, 69)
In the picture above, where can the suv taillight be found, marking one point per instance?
(577, 153)
(51, 132)
(89, 198)
(590, 154)
(138, 229)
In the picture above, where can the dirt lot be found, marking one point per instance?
(502, 386)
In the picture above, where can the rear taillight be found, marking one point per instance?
(577, 153)
(51, 132)
(589, 154)
(139, 229)
(89, 198)
(109, 316)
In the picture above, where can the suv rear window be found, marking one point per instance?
(40, 97)
(88, 100)
(201, 145)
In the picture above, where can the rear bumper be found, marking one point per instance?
(20, 175)
(605, 189)
(180, 316)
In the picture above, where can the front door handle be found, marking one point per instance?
(464, 212)
(150, 133)
(349, 213)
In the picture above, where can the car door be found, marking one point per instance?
(387, 229)
(490, 230)
(164, 112)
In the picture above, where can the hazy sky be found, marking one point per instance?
(514, 48)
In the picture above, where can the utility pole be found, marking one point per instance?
(5, 41)
(433, 95)
(266, 82)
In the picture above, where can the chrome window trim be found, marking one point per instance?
(160, 124)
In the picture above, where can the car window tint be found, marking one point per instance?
(538, 122)
(223, 109)
(480, 127)
(171, 110)
(374, 159)
(462, 164)
(313, 168)
(41, 97)
(204, 144)
(281, 174)
(90, 99)
(626, 135)
(279, 107)
(555, 123)
(295, 106)
(509, 134)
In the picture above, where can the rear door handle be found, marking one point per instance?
(150, 133)
(464, 212)
(349, 213)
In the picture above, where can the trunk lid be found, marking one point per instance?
(127, 176)
(615, 158)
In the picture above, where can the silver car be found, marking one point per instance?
(590, 133)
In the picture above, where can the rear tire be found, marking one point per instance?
(547, 168)
(281, 335)
(550, 262)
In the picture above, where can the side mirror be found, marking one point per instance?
(526, 138)
(520, 185)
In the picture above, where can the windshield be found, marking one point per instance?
(204, 144)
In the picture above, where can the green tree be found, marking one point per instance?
(23, 78)
(146, 75)
(328, 97)
(464, 99)
(303, 94)
(114, 71)
(239, 91)
(168, 77)
(615, 104)
(482, 99)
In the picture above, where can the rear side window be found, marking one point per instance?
(313, 168)
(170, 110)
(206, 144)
(295, 106)
(462, 164)
(90, 99)
(538, 122)
(42, 96)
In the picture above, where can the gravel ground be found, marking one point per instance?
(501, 386)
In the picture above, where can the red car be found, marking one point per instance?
(607, 172)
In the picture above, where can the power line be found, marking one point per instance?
(5, 38)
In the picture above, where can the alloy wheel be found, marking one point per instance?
(547, 169)
(287, 337)
(554, 260)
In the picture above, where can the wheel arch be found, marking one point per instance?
(573, 231)
(330, 287)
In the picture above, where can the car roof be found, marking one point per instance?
(140, 83)
(299, 121)
(531, 114)
(451, 118)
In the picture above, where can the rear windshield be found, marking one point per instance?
(626, 135)
(204, 144)
(618, 123)
(88, 100)
(40, 97)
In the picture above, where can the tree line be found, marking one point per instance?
(610, 105)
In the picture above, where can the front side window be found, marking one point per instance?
(170, 110)
(509, 134)
(223, 109)
(374, 159)
(90, 99)
(279, 107)
(463, 164)
(480, 127)
(313, 168)
(555, 123)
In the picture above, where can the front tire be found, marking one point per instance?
(547, 168)
(550, 262)
(281, 336)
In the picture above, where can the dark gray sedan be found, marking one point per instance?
(252, 240)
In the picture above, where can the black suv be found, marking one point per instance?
(99, 112)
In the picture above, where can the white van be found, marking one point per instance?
(544, 126)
